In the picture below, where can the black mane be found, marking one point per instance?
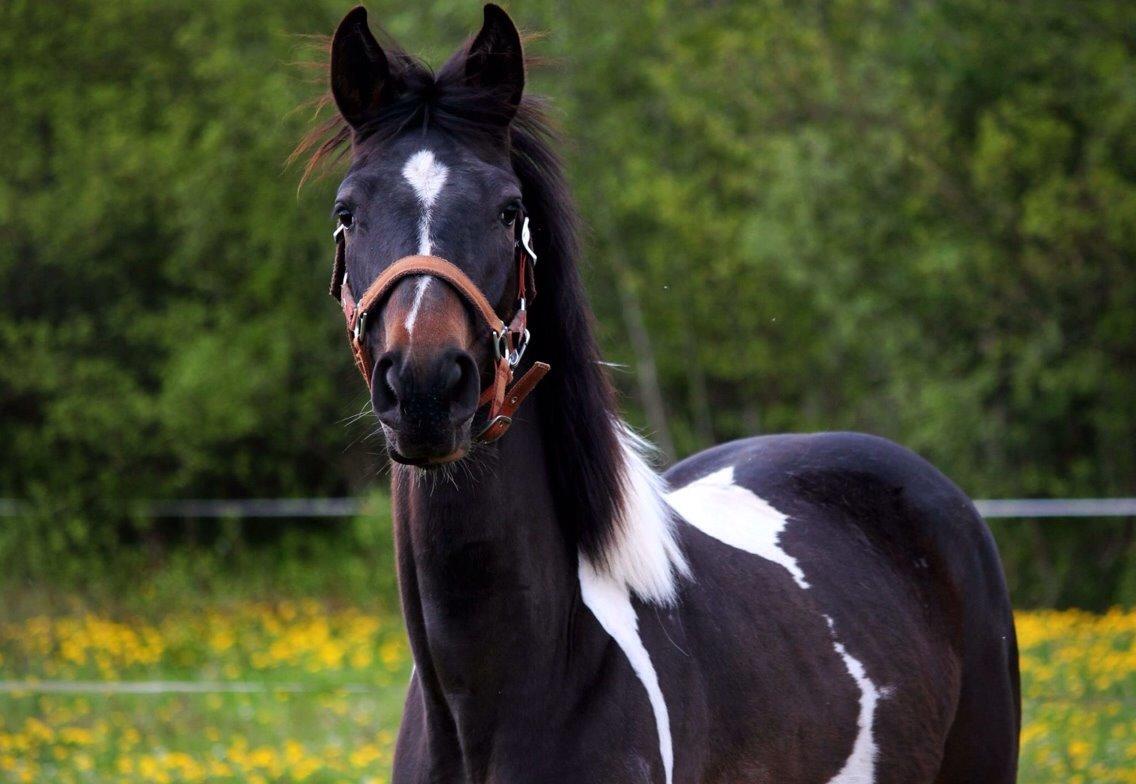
(576, 402)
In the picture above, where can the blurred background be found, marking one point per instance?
(916, 219)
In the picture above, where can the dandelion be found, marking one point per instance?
(1078, 684)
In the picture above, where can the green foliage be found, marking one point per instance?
(915, 219)
(347, 561)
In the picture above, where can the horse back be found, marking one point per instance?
(876, 500)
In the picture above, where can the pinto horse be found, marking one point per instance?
(793, 608)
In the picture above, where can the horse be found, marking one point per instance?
(797, 609)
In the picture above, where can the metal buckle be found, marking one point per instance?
(359, 326)
(500, 419)
(526, 240)
(339, 230)
(501, 342)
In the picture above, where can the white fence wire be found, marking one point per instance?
(262, 508)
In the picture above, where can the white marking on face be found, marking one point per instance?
(732, 514)
(610, 602)
(419, 293)
(427, 176)
(860, 767)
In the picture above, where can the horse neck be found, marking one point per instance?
(487, 575)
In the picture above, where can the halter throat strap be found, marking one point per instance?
(502, 395)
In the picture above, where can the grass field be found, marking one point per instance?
(304, 691)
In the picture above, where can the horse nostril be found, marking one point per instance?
(453, 376)
(439, 388)
(464, 386)
(385, 383)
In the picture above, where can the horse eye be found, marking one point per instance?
(509, 214)
(345, 217)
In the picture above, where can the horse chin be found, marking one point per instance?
(438, 452)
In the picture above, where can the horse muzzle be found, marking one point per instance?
(428, 413)
(426, 404)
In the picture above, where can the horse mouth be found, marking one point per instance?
(427, 462)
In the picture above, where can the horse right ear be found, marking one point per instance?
(360, 73)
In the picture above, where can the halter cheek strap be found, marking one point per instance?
(502, 395)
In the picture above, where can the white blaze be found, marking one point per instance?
(419, 292)
(427, 176)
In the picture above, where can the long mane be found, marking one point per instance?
(600, 483)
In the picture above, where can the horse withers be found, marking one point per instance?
(795, 609)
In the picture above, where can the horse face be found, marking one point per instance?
(443, 189)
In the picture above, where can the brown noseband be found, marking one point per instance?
(501, 395)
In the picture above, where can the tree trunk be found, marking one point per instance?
(646, 371)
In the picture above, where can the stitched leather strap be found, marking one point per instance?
(514, 396)
(440, 268)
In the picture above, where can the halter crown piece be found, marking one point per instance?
(501, 395)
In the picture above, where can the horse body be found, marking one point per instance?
(904, 617)
(845, 657)
(824, 609)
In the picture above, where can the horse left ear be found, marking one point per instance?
(361, 80)
(494, 61)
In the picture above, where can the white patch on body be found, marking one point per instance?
(732, 514)
(610, 602)
(860, 767)
(738, 517)
(427, 176)
(644, 560)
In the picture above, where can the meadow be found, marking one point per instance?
(915, 219)
(310, 691)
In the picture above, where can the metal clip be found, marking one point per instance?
(339, 230)
(526, 240)
(516, 354)
(359, 329)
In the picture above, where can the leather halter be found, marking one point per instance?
(502, 396)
